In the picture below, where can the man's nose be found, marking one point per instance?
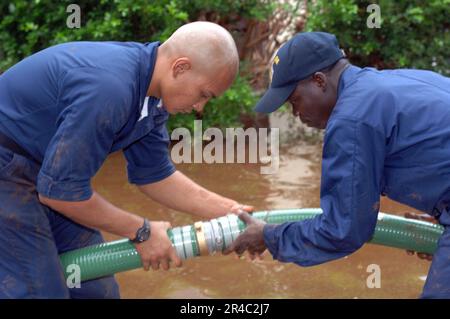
(199, 106)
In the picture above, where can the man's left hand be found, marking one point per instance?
(252, 239)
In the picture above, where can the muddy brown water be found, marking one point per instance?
(296, 185)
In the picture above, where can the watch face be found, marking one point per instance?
(145, 234)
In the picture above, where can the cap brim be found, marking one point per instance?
(274, 98)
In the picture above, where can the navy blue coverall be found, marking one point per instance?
(68, 107)
(389, 134)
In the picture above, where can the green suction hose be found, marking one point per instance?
(215, 235)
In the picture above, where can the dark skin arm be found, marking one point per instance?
(252, 239)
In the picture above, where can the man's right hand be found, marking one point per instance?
(98, 213)
(424, 217)
(158, 250)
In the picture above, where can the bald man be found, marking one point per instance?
(62, 111)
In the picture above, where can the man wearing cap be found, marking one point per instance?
(62, 111)
(386, 133)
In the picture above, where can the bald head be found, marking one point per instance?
(197, 63)
(209, 46)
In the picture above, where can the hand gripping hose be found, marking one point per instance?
(209, 237)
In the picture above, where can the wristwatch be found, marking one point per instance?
(143, 233)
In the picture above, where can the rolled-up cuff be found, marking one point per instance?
(68, 191)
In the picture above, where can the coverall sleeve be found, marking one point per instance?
(94, 106)
(352, 166)
(148, 158)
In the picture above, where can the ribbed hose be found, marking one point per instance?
(205, 238)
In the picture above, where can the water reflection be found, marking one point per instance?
(296, 185)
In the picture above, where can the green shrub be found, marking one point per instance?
(413, 33)
(28, 26)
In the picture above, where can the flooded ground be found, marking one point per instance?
(296, 185)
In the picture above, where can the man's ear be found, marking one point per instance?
(180, 66)
(320, 79)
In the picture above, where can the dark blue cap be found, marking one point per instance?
(300, 57)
